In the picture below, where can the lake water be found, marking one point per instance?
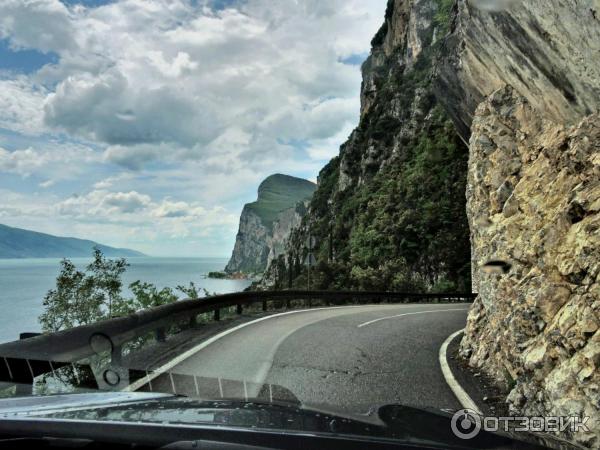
(24, 282)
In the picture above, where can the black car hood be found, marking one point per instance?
(396, 422)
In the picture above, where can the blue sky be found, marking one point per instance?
(149, 123)
(24, 60)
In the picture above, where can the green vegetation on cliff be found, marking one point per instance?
(404, 230)
(409, 223)
(390, 212)
(277, 193)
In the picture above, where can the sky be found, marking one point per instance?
(148, 124)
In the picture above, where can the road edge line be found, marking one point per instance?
(463, 398)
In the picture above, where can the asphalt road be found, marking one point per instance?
(345, 359)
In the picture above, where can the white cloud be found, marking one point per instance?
(55, 159)
(103, 203)
(21, 105)
(174, 209)
(174, 68)
(325, 149)
(47, 183)
(134, 157)
(22, 162)
(108, 182)
(125, 202)
(135, 207)
(137, 73)
(116, 110)
(43, 25)
(182, 110)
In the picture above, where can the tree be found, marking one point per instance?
(75, 300)
(106, 278)
(83, 297)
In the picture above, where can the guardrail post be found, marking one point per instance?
(22, 374)
(217, 315)
(23, 389)
(264, 305)
(239, 308)
(161, 335)
(116, 356)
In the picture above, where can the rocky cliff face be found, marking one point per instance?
(251, 249)
(546, 50)
(524, 83)
(389, 212)
(534, 202)
(266, 223)
(394, 101)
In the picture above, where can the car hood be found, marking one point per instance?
(398, 422)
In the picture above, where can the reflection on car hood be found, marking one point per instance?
(397, 422)
(47, 404)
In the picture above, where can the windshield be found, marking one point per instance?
(323, 208)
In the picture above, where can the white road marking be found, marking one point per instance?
(191, 352)
(364, 324)
(464, 399)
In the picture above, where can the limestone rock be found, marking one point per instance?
(535, 329)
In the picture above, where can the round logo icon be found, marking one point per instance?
(466, 424)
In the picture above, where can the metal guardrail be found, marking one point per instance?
(78, 343)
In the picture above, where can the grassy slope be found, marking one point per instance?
(19, 243)
(277, 193)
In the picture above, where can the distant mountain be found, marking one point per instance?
(277, 193)
(266, 223)
(20, 243)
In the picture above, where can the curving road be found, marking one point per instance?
(345, 358)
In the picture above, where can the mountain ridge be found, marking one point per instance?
(18, 243)
(271, 200)
(265, 224)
